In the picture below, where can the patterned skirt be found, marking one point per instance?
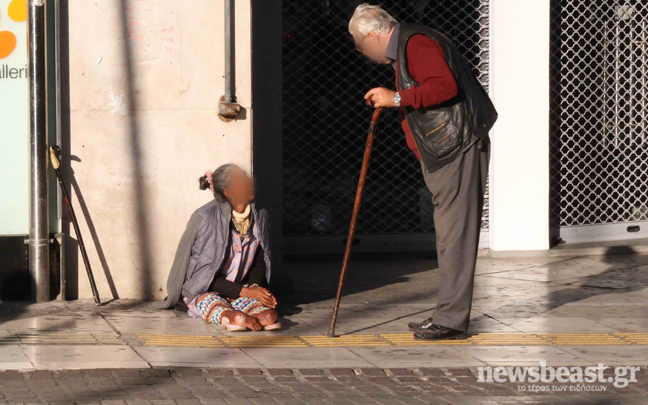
(211, 306)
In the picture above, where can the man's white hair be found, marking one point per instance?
(367, 18)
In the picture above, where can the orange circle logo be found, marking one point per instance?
(17, 11)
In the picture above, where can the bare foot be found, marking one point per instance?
(267, 317)
(249, 321)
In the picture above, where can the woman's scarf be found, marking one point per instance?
(242, 220)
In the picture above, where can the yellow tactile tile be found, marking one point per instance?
(263, 341)
(8, 339)
(578, 339)
(635, 338)
(53, 338)
(397, 339)
(407, 339)
(60, 338)
(513, 339)
(150, 339)
(345, 340)
(108, 339)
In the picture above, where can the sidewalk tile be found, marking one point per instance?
(13, 358)
(195, 357)
(489, 266)
(83, 356)
(427, 356)
(611, 355)
(309, 357)
(57, 323)
(627, 324)
(522, 355)
(547, 324)
(166, 325)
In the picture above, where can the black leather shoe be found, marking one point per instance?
(419, 326)
(438, 332)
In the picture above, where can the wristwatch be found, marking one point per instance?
(397, 99)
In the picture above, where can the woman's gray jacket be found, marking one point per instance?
(203, 247)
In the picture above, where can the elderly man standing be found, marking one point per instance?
(446, 116)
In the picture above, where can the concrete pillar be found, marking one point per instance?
(519, 179)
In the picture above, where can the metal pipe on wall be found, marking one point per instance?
(229, 9)
(38, 210)
(59, 136)
(228, 108)
(57, 94)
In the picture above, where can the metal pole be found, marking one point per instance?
(229, 110)
(229, 9)
(38, 212)
(57, 90)
(59, 135)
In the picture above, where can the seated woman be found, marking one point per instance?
(222, 265)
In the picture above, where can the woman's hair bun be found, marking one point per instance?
(204, 183)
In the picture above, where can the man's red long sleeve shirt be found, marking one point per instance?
(427, 65)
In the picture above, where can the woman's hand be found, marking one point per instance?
(260, 294)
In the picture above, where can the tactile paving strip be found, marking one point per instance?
(8, 339)
(404, 339)
(150, 339)
(60, 338)
(634, 338)
(508, 339)
(346, 340)
(263, 341)
(585, 339)
(407, 339)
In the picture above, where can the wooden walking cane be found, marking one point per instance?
(354, 217)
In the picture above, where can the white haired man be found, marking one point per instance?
(446, 115)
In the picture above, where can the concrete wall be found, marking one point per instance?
(144, 127)
(519, 179)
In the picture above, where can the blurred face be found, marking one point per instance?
(241, 187)
(372, 46)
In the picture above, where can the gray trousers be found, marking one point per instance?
(458, 197)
